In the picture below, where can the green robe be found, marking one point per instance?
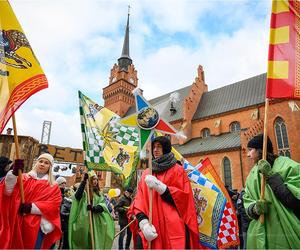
(281, 228)
(79, 229)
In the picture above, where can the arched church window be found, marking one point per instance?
(227, 172)
(282, 137)
(205, 132)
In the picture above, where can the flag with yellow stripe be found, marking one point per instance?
(284, 50)
(20, 72)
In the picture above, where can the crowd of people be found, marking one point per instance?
(41, 212)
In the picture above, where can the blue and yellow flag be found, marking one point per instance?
(228, 235)
(107, 145)
(209, 202)
(20, 72)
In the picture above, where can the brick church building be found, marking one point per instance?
(217, 123)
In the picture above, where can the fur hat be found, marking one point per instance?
(257, 143)
(165, 142)
(61, 180)
(48, 157)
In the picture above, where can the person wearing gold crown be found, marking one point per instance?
(34, 224)
(103, 224)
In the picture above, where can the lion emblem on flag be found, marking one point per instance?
(122, 158)
(200, 204)
(10, 42)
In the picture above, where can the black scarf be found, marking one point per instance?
(163, 163)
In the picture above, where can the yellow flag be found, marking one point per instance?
(20, 72)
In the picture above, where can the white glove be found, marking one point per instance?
(153, 182)
(148, 230)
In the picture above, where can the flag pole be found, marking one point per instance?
(264, 157)
(125, 228)
(18, 157)
(150, 193)
(90, 213)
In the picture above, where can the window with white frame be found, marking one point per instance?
(205, 132)
(235, 126)
(282, 137)
(227, 172)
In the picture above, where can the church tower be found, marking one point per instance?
(123, 79)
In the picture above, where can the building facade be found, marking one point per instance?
(218, 124)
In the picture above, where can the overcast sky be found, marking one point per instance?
(78, 42)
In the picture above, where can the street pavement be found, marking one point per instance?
(115, 243)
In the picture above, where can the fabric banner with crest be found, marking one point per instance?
(107, 145)
(20, 72)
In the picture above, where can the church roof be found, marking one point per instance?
(245, 93)
(242, 94)
(221, 142)
(124, 61)
(162, 105)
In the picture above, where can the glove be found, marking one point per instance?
(148, 230)
(85, 176)
(153, 182)
(264, 167)
(260, 207)
(18, 164)
(95, 209)
(25, 208)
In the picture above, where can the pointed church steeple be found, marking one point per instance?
(123, 80)
(124, 61)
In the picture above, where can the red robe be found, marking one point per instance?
(19, 232)
(168, 220)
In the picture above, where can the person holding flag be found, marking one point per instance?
(102, 223)
(281, 204)
(174, 222)
(34, 224)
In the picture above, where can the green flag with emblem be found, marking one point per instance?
(108, 146)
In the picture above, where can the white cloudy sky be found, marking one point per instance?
(77, 43)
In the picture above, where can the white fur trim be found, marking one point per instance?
(33, 175)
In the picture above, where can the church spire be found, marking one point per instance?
(124, 61)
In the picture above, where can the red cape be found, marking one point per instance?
(168, 220)
(19, 232)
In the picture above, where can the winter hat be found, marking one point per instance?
(61, 180)
(257, 143)
(130, 190)
(48, 157)
(165, 142)
(4, 162)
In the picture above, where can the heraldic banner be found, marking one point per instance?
(20, 72)
(108, 146)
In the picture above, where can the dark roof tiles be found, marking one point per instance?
(212, 143)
